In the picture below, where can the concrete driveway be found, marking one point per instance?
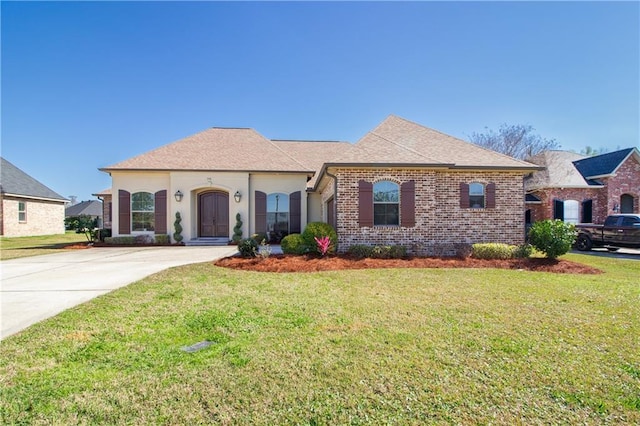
(623, 253)
(39, 287)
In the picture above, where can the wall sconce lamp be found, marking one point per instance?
(237, 196)
(616, 207)
(178, 195)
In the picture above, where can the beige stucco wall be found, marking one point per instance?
(43, 217)
(193, 183)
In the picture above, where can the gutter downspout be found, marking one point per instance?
(335, 198)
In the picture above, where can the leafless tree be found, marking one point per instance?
(515, 140)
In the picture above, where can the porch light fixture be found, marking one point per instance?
(237, 196)
(178, 195)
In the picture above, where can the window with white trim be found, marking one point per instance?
(22, 212)
(142, 211)
(386, 203)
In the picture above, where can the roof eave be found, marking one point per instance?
(34, 197)
(109, 170)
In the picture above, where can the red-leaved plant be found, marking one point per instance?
(323, 244)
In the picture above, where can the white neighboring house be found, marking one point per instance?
(28, 207)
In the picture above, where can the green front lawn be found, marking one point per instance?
(410, 346)
(15, 247)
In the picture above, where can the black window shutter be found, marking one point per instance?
(408, 204)
(295, 212)
(124, 212)
(161, 212)
(464, 195)
(558, 209)
(491, 196)
(261, 212)
(365, 203)
(587, 211)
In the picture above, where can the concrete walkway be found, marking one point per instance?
(39, 287)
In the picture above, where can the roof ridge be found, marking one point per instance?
(461, 140)
(406, 148)
(287, 154)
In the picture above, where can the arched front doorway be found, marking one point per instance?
(626, 203)
(213, 214)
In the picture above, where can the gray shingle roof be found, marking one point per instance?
(602, 165)
(89, 208)
(16, 182)
(564, 169)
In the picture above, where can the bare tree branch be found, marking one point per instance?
(514, 140)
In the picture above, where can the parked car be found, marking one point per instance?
(619, 230)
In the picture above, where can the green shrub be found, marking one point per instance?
(293, 244)
(237, 230)
(523, 251)
(120, 240)
(78, 223)
(259, 237)
(360, 251)
(319, 230)
(162, 239)
(177, 236)
(248, 247)
(493, 251)
(463, 250)
(101, 234)
(552, 237)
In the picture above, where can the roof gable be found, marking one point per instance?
(558, 172)
(399, 141)
(16, 182)
(604, 164)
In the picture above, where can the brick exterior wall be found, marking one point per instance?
(626, 181)
(43, 218)
(440, 222)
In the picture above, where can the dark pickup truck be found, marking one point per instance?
(619, 230)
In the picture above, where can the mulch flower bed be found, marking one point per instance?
(291, 263)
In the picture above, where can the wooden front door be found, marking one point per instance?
(213, 217)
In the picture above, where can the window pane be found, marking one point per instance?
(476, 201)
(277, 216)
(571, 208)
(386, 192)
(476, 189)
(142, 221)
(386, 214)
(22, 211)
(142, 201)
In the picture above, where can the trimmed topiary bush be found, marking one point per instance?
(237, 230)
(552, 237)
(248, 247)
(293, 244)
(319, 230)
(177, 236)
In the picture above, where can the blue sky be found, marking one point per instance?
(88, 84)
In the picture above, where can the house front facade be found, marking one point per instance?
(579, 189)
(402, 183)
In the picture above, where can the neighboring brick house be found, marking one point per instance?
(27, 207)
(402, 183)
(581, 189)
